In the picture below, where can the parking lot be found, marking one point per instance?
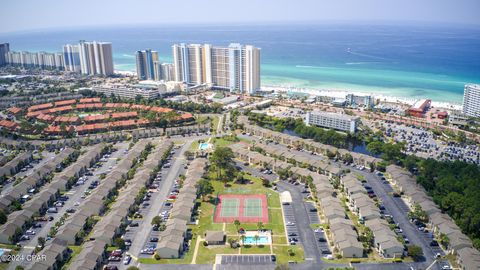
(298, 214)
(248, 259)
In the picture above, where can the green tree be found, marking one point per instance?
(348, 158)
(41, 241)
(204, 187)
(415, 252)
(256, 237)
(260, 225)
(375, 147)
(156, 220)
(136, 268)
(222, 160)
(237, 224)
(3, 217)
(119, 243)
(243, 237)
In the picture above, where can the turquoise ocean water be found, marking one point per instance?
(404, 61)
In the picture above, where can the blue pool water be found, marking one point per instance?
(251, 240)
(1, 251)
(203, 146)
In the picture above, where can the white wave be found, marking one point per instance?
(302, 66)
(361, 63)
(128, 55)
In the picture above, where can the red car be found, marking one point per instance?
(116, 253)
(172, 197)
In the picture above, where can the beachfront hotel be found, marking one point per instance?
(96, 58)
(4, 49)
(235, 68)
(471, 100)
(41, 60)
(335, 121)
(145, 61)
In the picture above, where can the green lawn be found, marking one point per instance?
(76, 250)
(279, 239)
(254, 249)
(220, 142)
(282, 254)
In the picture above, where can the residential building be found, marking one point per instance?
(71, 57)
(336, 121)
(355, 101)
(96, 58)
(43, 60)
(127, 91)
(4, 49)
(145, 61)
(163, 71)
(234, 68)
(471, 100)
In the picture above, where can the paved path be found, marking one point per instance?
(195, 252)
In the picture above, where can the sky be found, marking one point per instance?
(24, 15)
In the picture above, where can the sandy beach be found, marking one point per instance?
(343, 93)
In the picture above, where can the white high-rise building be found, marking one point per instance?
(235, 68)
(42, 60)
(471, 100)
(96, 58)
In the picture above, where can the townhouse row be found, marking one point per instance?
(459, 244)
(173, 239)
(35, 180)
(113, 223)
(19, 221)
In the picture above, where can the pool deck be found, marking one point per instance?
(267, 234)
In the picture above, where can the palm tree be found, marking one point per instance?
(260, 226)
(236, 223)
(256, 237)
(243, 237)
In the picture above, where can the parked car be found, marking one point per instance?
(127, 260)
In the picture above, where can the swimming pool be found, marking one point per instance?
(251, 240)
(2, 251)
(203, 146)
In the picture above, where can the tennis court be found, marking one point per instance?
(230, 207)
(253, 207)
(245, 208)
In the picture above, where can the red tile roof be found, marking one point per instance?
(65, 102)
(8, 124)
(15, 110)
(40, 106)
(89, 100)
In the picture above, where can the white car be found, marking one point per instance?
(290, 223)
(77, 203)
(127, 260)
(30, 232)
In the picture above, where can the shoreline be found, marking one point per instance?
(342, 93)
